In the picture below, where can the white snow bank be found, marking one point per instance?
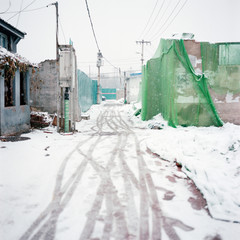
(211, 158)
(156, 122)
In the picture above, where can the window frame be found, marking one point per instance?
(3, 36)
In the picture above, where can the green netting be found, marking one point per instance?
(171, 87)
(229, 54)
(221, 64)
(86, 89)
(94, 91)
(109, 93)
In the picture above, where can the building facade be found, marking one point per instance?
(14, 83)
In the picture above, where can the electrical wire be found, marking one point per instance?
(19, 13)
(110, 63)
(129, 60)
(92, 25)
(62, 30)
(30, 10)
(162, 15)
(22, 9)
(155, 18)
(8, 8)
(171, 20)
(159, 30)
(149, 19)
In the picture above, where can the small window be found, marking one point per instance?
(23, 88)
(229, 54)
(3, 40)
(9, 90)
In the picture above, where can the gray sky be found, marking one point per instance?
(118, 24)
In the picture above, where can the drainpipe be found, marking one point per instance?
(66, 110)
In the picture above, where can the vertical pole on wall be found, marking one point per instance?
(99, 63)
(66, 110)
(57, 68)
(98, 86)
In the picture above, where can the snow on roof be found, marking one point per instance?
(185, 36)
(4, 54)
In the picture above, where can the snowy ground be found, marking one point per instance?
(209, 155)
(104, 183)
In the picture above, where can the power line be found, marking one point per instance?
(7, 9)
(155, 19)
(114, 60)
(19, 13)
(22, 9)
(159, 21)
(149, 18)
(172, 20)
(30, 10)
(62, 30)
(110, 63)
(166, 20)
(92, 25)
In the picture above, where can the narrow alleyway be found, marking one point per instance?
(131, 193)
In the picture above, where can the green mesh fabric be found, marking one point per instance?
(87, 91)
(171, 86)
(221, 64)
(94, 91)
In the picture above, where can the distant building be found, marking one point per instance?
(133, 87)
(14, 83)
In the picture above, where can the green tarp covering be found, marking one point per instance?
(94, 91)
(221, 64)
(87, 91)
(171, 86)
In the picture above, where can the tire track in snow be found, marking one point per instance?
(120, 222)
(106, 190)
(61, 197)
(159, 221)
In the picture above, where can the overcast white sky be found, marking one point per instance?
(118, 24)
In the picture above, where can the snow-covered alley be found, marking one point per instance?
(105, 182)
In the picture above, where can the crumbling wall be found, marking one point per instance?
(223, 80)
(43, 88)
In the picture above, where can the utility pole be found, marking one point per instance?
(57, 66)
(142, 54)
(99, 64)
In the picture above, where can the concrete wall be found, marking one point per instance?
(43, 89)
(15, 119)
(194, 53)
(226, 99)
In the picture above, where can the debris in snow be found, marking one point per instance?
(40, 119)
(13, 138)
(85, 116)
